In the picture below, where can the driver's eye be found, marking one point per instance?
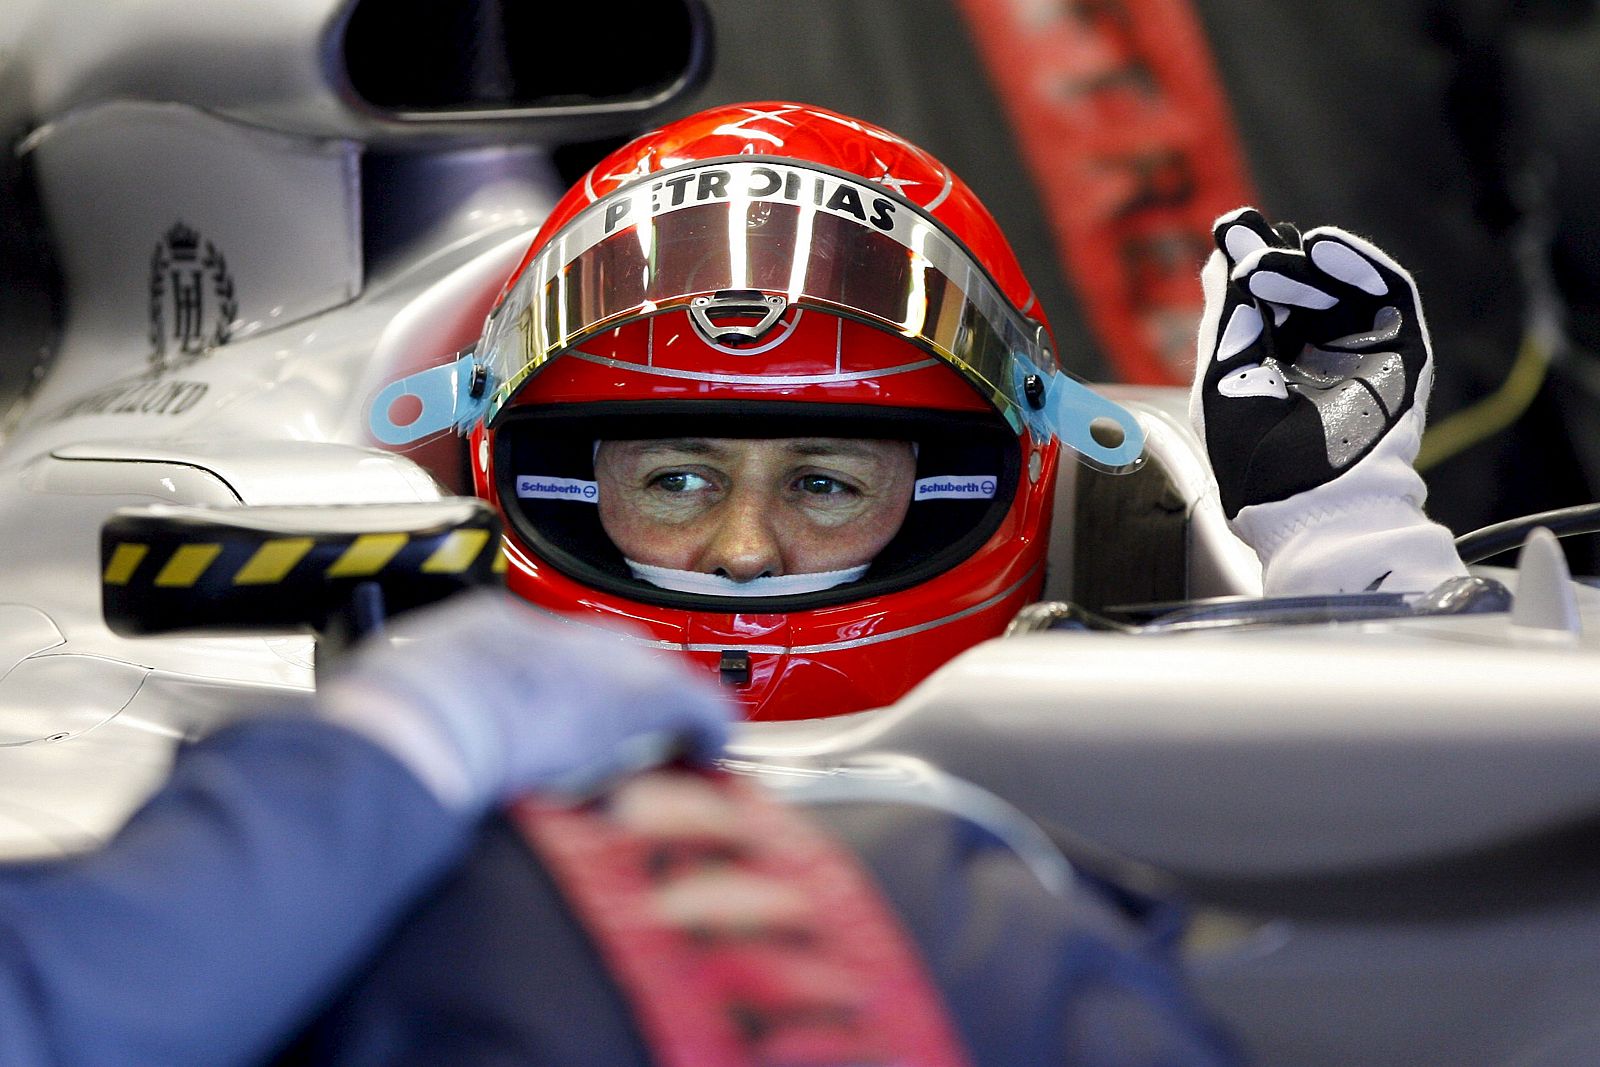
(679, 482)
(822, 485)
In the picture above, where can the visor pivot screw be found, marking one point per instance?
(479, 381)
(734, 666)
(1033, 390)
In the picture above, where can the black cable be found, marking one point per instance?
(1503, 536)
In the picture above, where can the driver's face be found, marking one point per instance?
(747, 508)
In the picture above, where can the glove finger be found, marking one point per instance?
(1380, 259)
(1232, 324)
(1229, 323)
(1375, 301)
(1339, 260)
(1241, 232)
(1239, 343)
(1288, 278)
(1237, 325)
(1288, 235)
(1387, 288)
(1242, 332)
(1367, 270)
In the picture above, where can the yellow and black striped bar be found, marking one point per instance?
(165, 568)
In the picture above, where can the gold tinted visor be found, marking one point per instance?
(754, 233)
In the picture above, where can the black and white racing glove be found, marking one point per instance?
(1310, 392)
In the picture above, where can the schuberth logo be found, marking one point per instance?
(955, 487)
(192, 301)
(541, 487)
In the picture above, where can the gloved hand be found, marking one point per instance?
(483, 698)
(1311, 388)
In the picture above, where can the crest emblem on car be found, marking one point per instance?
(192, 300)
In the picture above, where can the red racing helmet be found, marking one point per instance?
(774, 270)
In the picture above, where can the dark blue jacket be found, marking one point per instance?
(227, 911)
(279, 863)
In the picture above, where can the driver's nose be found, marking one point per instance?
(744, 543)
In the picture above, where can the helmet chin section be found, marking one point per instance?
(721, 585)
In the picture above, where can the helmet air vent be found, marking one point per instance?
(736, 317)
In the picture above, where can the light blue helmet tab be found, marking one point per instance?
(1078, 417)
(446, 395)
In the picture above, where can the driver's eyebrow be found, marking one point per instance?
(694, 446)
(805, 446)
(836, 446)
